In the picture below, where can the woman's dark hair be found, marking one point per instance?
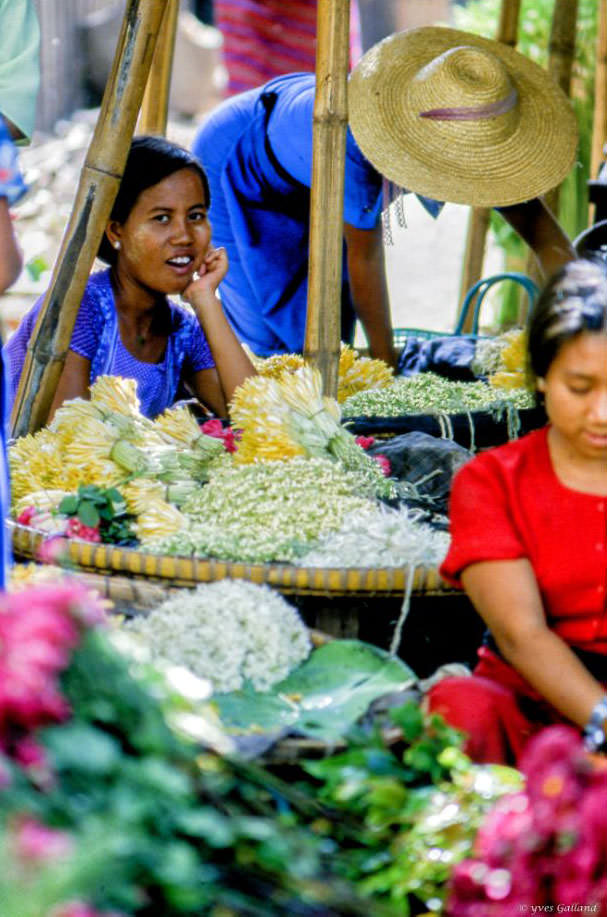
(573, 301)
(150, 160)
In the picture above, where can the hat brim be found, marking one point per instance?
(444, 160)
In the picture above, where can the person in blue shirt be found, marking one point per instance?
(257, 151)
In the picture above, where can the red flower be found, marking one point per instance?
(76, 529)
(384, 463)
(365, 442)
(214, 427)
(25, 517)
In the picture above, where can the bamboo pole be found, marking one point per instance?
(155, 106)
(97, 188)
(599, 125)
(330, 122)
(478, 221)
(561, 49)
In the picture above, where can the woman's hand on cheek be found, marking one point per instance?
(209, 275)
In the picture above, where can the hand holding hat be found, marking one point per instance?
(461, 118)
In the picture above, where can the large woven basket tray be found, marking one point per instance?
(171, 571)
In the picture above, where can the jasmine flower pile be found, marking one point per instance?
(428, 393)
(267, 511)
(386, 538)
(229, 632)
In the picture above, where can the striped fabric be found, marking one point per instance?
(267, 38)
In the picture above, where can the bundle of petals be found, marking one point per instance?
(289, 416)
(107, 442)
(39, 629)
(545, 848)
(355, 373)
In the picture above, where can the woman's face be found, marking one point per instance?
(575, 389)
(166, 235)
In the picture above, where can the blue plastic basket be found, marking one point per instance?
(474, 300)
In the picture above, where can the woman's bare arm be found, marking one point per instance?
(216, 387)
(539, 228)
(368, 284)
(74, 381)
(11, 259)
(506, 595)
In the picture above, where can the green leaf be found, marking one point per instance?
(36, 267)
(80, 747)
(88, 514)
(324, 696)
(69, 505)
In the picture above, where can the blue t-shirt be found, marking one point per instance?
(257, 152)
(96, 336)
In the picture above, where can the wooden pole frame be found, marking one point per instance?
(154, 114)
(323, 317)
(99, 181)
(599, 123)
(561, 51)
(478, 221)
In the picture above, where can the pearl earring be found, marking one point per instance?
(117, 245)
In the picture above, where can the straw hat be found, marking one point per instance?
(461, 118)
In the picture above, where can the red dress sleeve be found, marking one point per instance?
(481, 522)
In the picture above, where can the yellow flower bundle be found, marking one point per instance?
(355, 373)
(512, 372)
(289, 416)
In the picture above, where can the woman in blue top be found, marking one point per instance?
(157, 243)
(257, 150)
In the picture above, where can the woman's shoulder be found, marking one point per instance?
(521, 457)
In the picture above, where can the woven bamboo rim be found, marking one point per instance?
(189, 571)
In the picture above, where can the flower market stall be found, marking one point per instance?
(123, 792)
(191, 745)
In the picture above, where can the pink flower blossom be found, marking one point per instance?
(29, 754)
(25, 517)
(76, 529)
(384, 463)
(39, 629)
(230, 437)
(54, 550)
(365, 442)
(548, 845)
(37, 842)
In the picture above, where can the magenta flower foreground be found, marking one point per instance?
(546, 846)
(39, 629)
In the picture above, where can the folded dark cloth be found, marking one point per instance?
(449, 356)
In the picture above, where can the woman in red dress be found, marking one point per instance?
(529, 542)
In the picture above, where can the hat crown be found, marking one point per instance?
(462, 77)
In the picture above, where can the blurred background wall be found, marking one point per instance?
(79, 37)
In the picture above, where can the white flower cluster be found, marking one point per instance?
(428, 393)
(229, 631)
(385, 538)
(267, 511)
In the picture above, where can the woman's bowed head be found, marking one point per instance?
(529, 541)
(568, 357)
(157, 244)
